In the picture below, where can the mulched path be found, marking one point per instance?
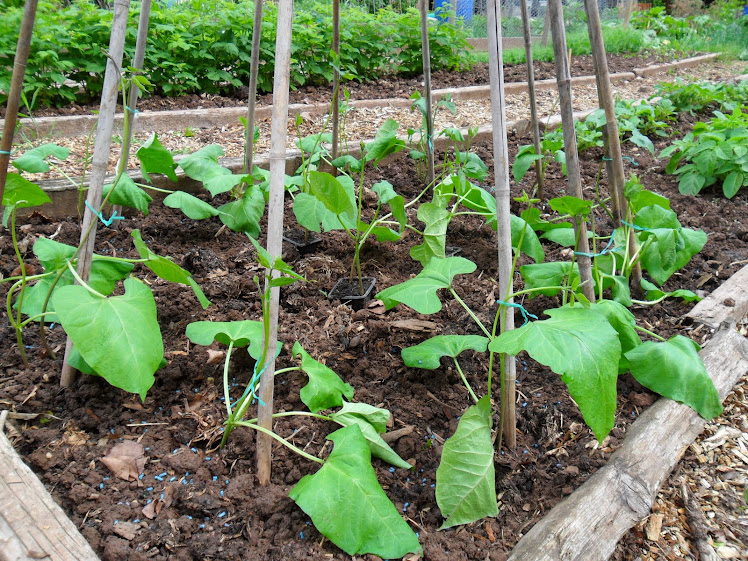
(217, 510)
(385, 87)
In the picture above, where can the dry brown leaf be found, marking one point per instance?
(415, 324)
(126, 530)
(215, 357)
(152, 509)
(654, 527)
(126, 460)
(376, 307)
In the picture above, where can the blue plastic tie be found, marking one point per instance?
(607, 249)
(4, 152)
(629, 158)
(525, 314)
(131, 110)
(105, 221)
(635, 227)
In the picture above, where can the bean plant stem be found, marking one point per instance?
(226, 392)
(282, 440)
(469, 311)
(650, 333)
(465, 381)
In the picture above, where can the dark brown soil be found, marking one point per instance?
(218, 510)
(385, 87)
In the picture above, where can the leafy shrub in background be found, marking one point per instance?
(199, 48)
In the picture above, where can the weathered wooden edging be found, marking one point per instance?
(32, 525)
(148, 121)
(65, 196)
(587, 525)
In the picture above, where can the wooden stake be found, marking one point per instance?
(137, 63)
(503, 200)
(279, 131)
(563, 77)
(102, 148)
(16, 88)
(252, 96)
(614, 161)
(426, 52)
(546, 27)
(335, 81)
(531, 91)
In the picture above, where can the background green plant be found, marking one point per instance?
(195, 47)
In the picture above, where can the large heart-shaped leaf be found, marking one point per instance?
(242, 333)
(190, 205)
(348, 506)
(126, 193)
(420, 292)
(155, 158)
(203, 165)
(119, 337)
(325, 388)
(53, 256)
(331, 193)
(244, 215)
(21, 193)
(465, 478)
(167, 269)
(580, 344)
(427, 354)
(372, 421)
(545, 278)
(436, 220)
(33, 161)
(674, 370)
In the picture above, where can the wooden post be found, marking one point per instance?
(252, 96)
(336, 80)
(16, 88)
(563, 78)
(102, 148)
(503, 200)
(614, 161)
(426, 52)
(137, 63)
(628, 8)
(531, 91)
(279, 131)
(546, 27)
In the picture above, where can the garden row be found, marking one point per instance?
(194, 50)
(118, 337)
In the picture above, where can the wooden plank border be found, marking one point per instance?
(588, 524)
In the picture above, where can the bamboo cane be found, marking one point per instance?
(426, 53)
(546, 27)
(252, 96)
(279, 131)
(614, 161)
(336, 80)
(503, 200)
(563, 77)
(16, 88)
(131, 103)
(102, 148)
(628, 8)
(531, 91)
(137, 64)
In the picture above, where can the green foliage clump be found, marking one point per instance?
(196, 49)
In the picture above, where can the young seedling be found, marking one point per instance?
(337, 203)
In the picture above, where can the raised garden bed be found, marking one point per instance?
(209, 505)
